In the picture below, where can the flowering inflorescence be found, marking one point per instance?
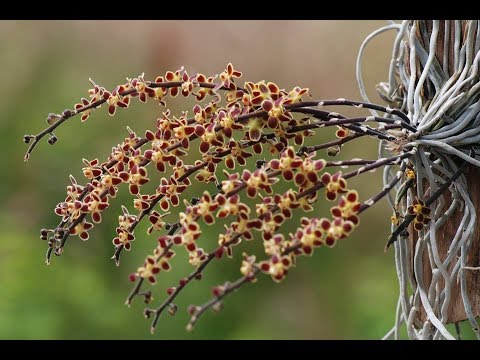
(229, 128)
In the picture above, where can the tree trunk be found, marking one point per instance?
(446, 233)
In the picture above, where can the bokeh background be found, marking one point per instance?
(348, 292)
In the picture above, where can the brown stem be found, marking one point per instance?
(227, 289)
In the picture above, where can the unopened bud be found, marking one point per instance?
(193, 310)
(147, 297)
(52, 139)
(404, 233)
(171, 290)
(59, 233)
(51, 118)
(43, 234)
(333, 150)
(217, 307)
(217, 291)
(260, 163)
(303, 150)
(147, 313)
(172, 309)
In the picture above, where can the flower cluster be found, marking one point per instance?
(230, 126)
(154, 264)
(313, 233)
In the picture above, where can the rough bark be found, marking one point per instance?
(445, 234)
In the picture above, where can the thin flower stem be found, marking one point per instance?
(134, 291)
(349, 162)
(377, 164)
(227, 289)
(386, 189)
(186, 281)
(67, 114)
(340, 141)
(326, 145)
(343, 121)
(359, 129)
(231, 287)
(361, 104)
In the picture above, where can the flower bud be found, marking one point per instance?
(172, 309)
(52, 139)
(333, 150)
(43, 234)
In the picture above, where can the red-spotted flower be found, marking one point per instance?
(95, 205)
(143, 91)
(91, 169)
(149, 269)
(257, 180)
(209, 137)
(311, 234)
(237, 153)
(228, 76)
(171, 189)
(197, 257)
(348, 207)
(421, 212)
(276, 112)
(137, 176)
(156, 220)
(277, 267)
(205, 208)
(74, 190)
(228, 122)
(81, 230)
(174, 77)
(248, 266)
(287, 163)
(336, 229)
(334, 184)
(115, 99)
(124, 237)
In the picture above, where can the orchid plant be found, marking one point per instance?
(249, 142)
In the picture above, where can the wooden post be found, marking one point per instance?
(446, 233)
(444, 236)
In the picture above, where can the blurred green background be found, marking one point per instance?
(348, 292)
